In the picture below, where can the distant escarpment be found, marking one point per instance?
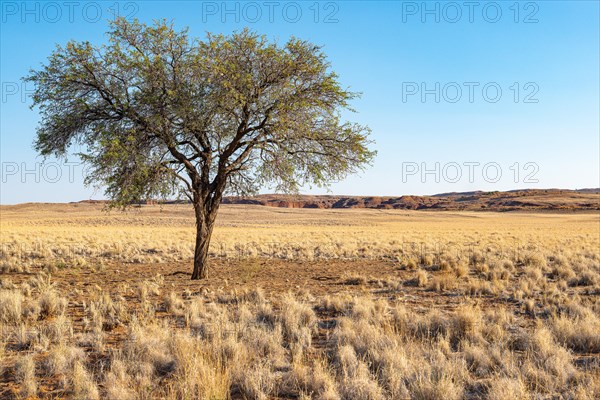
(530, 199)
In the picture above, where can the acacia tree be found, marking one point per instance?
(159, 113)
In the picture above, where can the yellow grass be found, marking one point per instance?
(155, 234)
(476, 305)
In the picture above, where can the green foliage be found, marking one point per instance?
(157, 113)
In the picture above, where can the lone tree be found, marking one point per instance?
(158, 113)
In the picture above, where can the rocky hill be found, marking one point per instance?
(530, 199)
(514, 200)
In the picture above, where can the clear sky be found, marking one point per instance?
(466, 95)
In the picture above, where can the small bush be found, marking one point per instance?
(11, 307)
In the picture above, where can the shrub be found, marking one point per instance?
(51, 305)
(11, 307)
(25, 374)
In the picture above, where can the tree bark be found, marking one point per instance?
(204, 226)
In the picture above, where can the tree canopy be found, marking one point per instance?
(157, 113)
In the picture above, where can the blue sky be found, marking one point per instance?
(460, 96)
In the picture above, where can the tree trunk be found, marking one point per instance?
(204, 227)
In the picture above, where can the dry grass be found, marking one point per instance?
(471, 306)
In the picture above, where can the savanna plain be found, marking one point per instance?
(299, 304)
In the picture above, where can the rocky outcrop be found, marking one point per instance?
(530, 199)
(514, 200)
